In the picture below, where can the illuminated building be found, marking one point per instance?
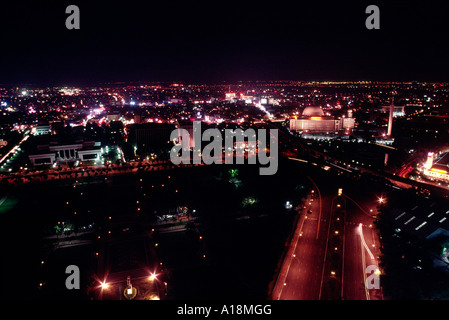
(42, 129)
(398, 111)
(429, 162)
(45, 158)
(113, 117)
(439, 169)
(230, 96)
(48, 154)
(390, 121)
(393, 111)
(314, 121)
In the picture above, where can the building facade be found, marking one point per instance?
(314, 121)
(67, 153)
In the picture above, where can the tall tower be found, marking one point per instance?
(390, 118)
(429, 162)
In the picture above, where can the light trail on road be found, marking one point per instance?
(364, 243)
(13, 150)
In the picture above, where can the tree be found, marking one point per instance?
(58, 229)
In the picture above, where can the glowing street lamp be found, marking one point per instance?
(104, 285)
(152, 277)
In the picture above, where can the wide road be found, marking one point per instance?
(309, 271)
(305, 263)
(360, 252)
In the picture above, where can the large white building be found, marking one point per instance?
(64, 153)
(313, 120)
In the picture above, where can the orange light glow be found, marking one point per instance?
(438, 171)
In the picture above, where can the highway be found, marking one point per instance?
(360, 252)
(327, 257)
(305, 262)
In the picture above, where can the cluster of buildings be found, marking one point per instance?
(53, 144)
(145, 114)
(315, 123)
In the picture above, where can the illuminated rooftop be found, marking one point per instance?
(313, 111)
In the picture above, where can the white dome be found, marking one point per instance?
(313, 112)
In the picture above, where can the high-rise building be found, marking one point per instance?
(390, 121)
(429, 161)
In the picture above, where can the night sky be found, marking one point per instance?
(216, 41)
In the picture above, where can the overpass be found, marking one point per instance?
(309, 151)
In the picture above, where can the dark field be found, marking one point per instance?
(240, 216)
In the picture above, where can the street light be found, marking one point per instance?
(152, 277)
(104, 285)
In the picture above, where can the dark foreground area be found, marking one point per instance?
(220, 231)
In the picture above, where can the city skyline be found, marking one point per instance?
(92, 169)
